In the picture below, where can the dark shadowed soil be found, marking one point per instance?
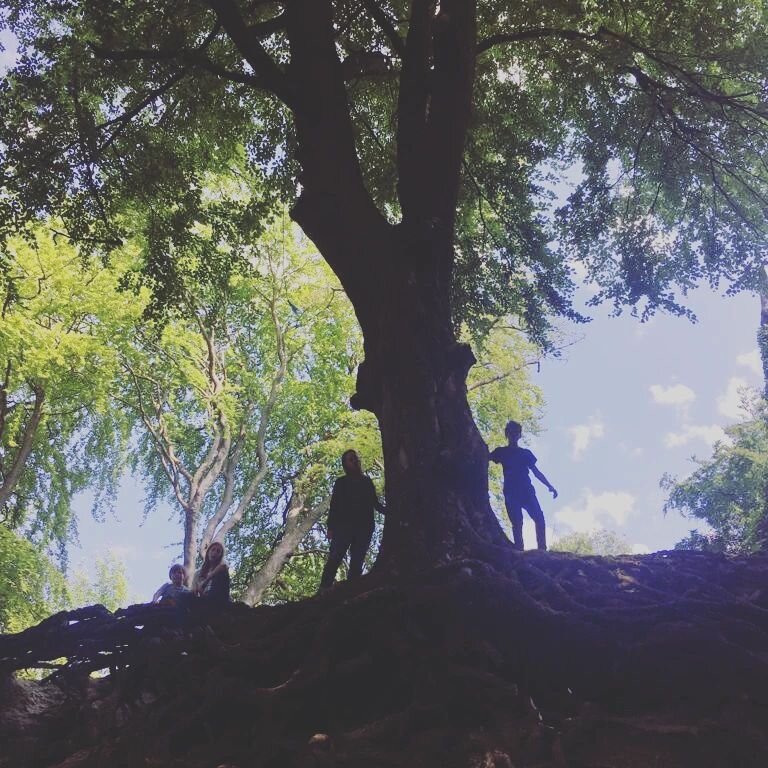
(546, 660)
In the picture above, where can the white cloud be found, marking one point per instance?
(640, 549)
(583, 434)
(731, 402)
(676, 394)
(710, 434)
(597, 510)
(752, 361)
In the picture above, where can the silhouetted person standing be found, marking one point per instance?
(519, 493)
(350, 519)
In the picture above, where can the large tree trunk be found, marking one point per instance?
(398, 278)
(415, 381)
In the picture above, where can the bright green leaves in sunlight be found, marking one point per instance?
(107, 585)
(241, 395)
(59, 317)
(727, 491)
(30, 586)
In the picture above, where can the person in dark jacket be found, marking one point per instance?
(350, 519)
(211, 582)
(519, 493)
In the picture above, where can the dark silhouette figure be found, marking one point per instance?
(519, 493)
(350, 519)
(211, 582)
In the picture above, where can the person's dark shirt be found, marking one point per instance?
(516, 463)
(216, 589)
(352, 503)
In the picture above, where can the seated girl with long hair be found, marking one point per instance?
(211, 582)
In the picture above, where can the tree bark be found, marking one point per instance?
(191, 522)
(436, 461)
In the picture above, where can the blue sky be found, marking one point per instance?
(631, 401)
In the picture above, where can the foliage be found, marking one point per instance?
(659, 106)
(241, 393)
(30, 585)
(599, 542)
(58, 432)
(107, 585)
(727, 490)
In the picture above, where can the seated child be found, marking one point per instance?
(211, 582)
(170, 592)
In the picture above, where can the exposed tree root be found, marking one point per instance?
(543, 660)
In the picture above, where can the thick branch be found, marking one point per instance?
(246, 39)
(451, 104)
(261, 434)
(25, 447)
(334, 209)
(386, 25)
(297, 526)
(412, 107)
(228, 495)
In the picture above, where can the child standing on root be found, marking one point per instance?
(519, 493)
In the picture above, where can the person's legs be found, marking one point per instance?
(534, 510)
(361, 540)
(339, 546)
(515, 513)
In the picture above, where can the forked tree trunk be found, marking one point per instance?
(398, 278)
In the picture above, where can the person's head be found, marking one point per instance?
(350, 461)
(513, 431)
(177, 574)
(213, 556)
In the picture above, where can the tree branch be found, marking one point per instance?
(246, 40)
(412, 151)
(383, 20)
(297, 526)
(532, 33)
(25, 447)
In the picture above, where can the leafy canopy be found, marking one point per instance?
(658, 108)
(60, 315)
